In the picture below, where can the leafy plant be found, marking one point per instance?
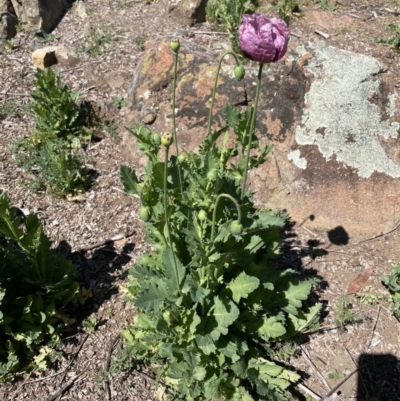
(50, 154)
(392, 282)
(215, 313)
(286, 8)
(11, 108)
(329, 5)
(44, 37)
(336, 375)
(90, 324)
(228, 15)
(343, 313)
(9, 45)
(140, 43)
(393, 41)
(36, 284)
(368, 298)
(118, 101)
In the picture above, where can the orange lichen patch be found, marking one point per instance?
(274, 126)
(205, 81)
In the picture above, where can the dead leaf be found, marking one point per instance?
(348, 342)
(358, 283)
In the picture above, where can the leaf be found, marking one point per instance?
(242, 286)
(306, 319)
(152, 298)
(225, 312)
(255, 244)
(129, 180)
(358, 283)
(241, 394)
(269, 218)
(295, 294)
(272, 328)
(174, 270)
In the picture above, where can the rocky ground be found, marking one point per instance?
(122, 29)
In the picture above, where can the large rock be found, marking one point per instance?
(332, 116)
(40, 15)
(186, 12)
(8, 22)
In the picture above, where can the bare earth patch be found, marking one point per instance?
(79, 228)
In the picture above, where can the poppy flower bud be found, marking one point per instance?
(156, 139)
(166, 139)
(239, 72)
(175, 45)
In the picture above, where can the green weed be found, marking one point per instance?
(336, 375)
(394, 41)
(343, 313)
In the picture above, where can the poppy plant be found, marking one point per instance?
(262, 39)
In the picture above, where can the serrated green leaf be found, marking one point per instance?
(306, 318)
(255, 244)
(206, 344)
(242, 286)
(272, 328)
(199, 373)
(295, 294)
(174, 271)
(269, 218)
(152, 298)
(225, 313)
(241, 394)
(129, 180)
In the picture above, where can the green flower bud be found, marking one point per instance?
(212, 175)
(144, 213)
(166, 139)
(175, 45)
(239, 72)
(202, 215)
(181, 158)
(236, 227)
(156, 139)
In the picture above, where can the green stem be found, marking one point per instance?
(252, 124)
(173, 118)
(215, 211)
(215, 86)
(166, 214)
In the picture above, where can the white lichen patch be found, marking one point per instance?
(299, 161)
(340, 118)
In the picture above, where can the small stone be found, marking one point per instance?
(43, 58)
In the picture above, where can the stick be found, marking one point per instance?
(314, 368)
(339, 385)
(108, 363)
(373, 329)
(309, 392)
(107, 241)
(43, 378)
(377, 236)
(73, 359)
(66, 387)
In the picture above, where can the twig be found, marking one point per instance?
(43, 378)
(373, 329)
(339, 385)
(66, 387)
(323, 34)
(14, 94)
(314, 368)
(88, 89)
(107, 241)
(73, 358)
(208, 33)
(311, 393)
(108, 363)
(377, 236)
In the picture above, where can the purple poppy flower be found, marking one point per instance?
(262, 39)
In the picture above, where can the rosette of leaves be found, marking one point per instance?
(212, 309)
(35, 285)
(392, 282)
(50, 154)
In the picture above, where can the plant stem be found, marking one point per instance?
(166, 213)
(215, 211)
(252, 124)
(173, 118)
(215, 86)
